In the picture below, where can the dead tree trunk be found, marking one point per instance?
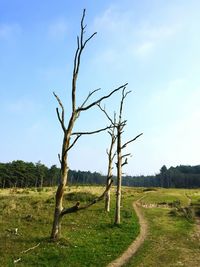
(110, 168)
(70, 137)
(119, 176)
(122, 159)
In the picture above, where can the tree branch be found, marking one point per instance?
(126, 155)
(124, 145)
(74, 142)
(25, 251)
(77, 207)
(59, 159)
(92, 132)
(124, 95)
(108, 117)
(89, 39)
(60, 118)
(77, 58)
(102, 98)
(89, 95)
(125, 162)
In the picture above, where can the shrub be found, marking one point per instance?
(80, 196)
(186, 212)
(149, 189)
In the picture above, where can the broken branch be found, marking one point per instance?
(77, 207)
(92, 132)
(89, 95)
(60, 118)
(124, 145)
(102, 98)
(25, 251)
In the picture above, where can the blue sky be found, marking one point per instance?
(153, 45)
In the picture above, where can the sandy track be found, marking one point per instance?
(128, 254)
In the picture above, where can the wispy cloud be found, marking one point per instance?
(112, 20)
(58, 29)
(130, 37)
(149, 37)
(8, 31)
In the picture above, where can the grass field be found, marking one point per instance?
(89, 237)
(171, 240)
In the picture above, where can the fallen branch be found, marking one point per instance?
(77, 207)
(17, 260)
(25, 251)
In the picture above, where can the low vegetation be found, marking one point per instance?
(91, 239)
(173, 236)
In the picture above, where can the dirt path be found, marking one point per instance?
(128, 254)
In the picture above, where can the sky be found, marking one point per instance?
(153, 45)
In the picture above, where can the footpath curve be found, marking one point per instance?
(132, 249)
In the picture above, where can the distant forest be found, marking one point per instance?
(27, 174)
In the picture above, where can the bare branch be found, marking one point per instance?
(89, 39)
(61, 105)
(62, 117)
(125, 162)
(17, 260)
(124, 95)
(104, 111)
(77, 207)
(77, 59)
(24, 251)
(92, 132)
(102, 98)
(59, 159)
(89, 95)
(74, 142)
(114, 156)
(124, 145)
(126, 155)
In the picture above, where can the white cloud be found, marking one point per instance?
(7, 31)
(133, 38)
(58, 29)
(111, 21)
(160, 32)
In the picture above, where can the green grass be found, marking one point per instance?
(89, 237)
(171, 240)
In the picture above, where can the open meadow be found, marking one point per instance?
(89, 237)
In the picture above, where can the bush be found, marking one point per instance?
(186, 212)
(175, 204)
(149, 189)
(80, 196)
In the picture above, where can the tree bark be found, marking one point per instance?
(56, 228)
(110, 167)
(107, 197)
(119, 176)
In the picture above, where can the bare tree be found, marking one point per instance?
(122, 159)
(111, 156)
(70, 138)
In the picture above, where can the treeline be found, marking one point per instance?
(27, 174)
(175, 177)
